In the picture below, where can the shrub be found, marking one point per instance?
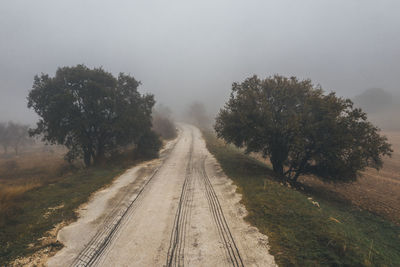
(149, 145)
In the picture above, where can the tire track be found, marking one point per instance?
(175, 256)
(114, 222)
(219, 219)
(102, 239)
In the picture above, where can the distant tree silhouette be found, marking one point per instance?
(197, 114)
(374, 100)
(4, 137)
(163, 123)
(14, 135)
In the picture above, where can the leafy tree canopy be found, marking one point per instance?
(301, 129)
(89, 111)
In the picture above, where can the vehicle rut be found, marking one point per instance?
(97, 245)
(112, 224)
(175, 256)
(175, 211)
(219, 219)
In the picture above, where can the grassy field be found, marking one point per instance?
(375, 191)
(33, 168)
(329, 232)
(38, 191)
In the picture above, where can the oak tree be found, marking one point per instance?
(301, 129)
(90, 111)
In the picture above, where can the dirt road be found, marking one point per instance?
(174, 211)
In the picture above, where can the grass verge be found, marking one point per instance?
(300, 233)
(38, 210)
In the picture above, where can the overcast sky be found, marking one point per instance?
(193, 50)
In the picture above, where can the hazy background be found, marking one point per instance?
(193, 50)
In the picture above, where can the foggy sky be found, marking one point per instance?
(193, 50)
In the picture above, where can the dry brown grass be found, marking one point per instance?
(38, 163)
(35, 167)
(9, 193)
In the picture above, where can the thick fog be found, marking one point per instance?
(193, 50)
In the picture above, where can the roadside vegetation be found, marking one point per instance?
(303, 228)
(43, 191)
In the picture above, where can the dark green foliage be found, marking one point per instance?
(149, 145)
(90, 111)
(301, 129)
(299, 233)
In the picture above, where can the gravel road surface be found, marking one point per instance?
(177, 210)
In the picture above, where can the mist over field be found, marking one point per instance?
(183, 51)
(382, 107)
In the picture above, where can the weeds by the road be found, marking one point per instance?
(304, 229)
(32, 169)
(29, 210)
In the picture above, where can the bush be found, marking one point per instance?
(149, 145)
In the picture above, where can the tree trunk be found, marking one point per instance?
(277, 166)
(278, 157)
(86, 157)
(301, 169)
(100, 156)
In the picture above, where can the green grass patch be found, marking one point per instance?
(31, 219)
(300, 233)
